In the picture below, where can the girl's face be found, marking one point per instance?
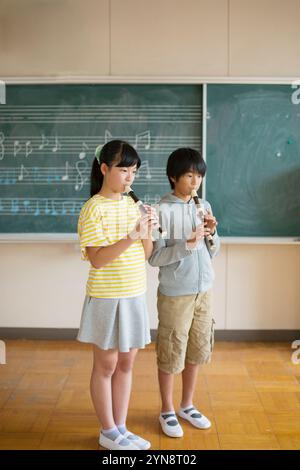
(116, 177)
(187, 182)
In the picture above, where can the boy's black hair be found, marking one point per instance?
(182, 161)
(113, 153)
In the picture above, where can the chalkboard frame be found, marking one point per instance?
(204, 81)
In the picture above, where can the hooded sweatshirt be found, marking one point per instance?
(182, 271)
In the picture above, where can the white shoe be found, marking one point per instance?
(196, 418)
(141, 443)
(115, 445)
(170, 430)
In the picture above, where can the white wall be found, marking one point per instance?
(256, 287)
(42, 285)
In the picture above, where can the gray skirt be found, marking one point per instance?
(120, 324)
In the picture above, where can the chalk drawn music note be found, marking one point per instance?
(81, 167)
(14, 206)
(82, 154)
(107, 136)
(28, 148)
(37, 209)
(68, 207)
(57, 145)
(21, 175)
(26, 205)
(35, 174)
(2, 149)
(144, 168)
(143, 139)
(53, 212)
(47, 209)
(45, 142)
(17, 147)
(65, 177)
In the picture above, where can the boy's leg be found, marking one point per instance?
(189, 379)
(175, 316)
(199, 351)
(166, 390)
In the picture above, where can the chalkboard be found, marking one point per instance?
(48, 134)
(253, 157)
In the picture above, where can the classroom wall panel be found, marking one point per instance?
(43, 286)
(53, 38)
(263, 287)
(264, 38)
(167, 37)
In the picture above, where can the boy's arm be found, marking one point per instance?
(163, 255)
(213, 251)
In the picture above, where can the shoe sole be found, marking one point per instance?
(198, 427)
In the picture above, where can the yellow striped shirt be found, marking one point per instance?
(103, 222)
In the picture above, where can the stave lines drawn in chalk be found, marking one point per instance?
(40, 206)
(101, 114)
(82, 146)
(77, 175)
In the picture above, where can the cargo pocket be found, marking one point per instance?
(212, 335)
(163, 345)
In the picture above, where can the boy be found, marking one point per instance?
(185, 330)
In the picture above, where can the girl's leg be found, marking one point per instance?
(166, 390)
(121, 385)
(103, 368)
(189, 379)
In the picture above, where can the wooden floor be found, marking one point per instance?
(250, 392)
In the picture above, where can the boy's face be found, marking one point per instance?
(187, 182)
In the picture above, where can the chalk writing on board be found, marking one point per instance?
(40, 206)
(2, 138)
(143, 139)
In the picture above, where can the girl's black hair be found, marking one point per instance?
(113, 153)
(182, 161)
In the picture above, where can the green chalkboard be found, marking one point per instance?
(48, 134)
(253, 157)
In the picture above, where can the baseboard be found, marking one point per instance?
(220, 335)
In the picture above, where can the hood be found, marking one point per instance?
(170, 198)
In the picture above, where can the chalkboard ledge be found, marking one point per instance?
(39, 238)
(73, 238)
(260, 240)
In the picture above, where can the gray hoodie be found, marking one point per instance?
(182, 271)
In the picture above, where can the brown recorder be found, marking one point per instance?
(201, 214)
(130, 193)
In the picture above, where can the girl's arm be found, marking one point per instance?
(100, 256)
(148, 247)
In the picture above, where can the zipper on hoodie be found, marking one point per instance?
(194, 224)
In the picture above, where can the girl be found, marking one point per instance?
(117, 241)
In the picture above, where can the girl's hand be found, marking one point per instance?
(146, 224)
(210, 222)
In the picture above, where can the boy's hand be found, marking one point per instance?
(196, 236)
(210, 222)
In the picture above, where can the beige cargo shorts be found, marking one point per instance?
(185, 331)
